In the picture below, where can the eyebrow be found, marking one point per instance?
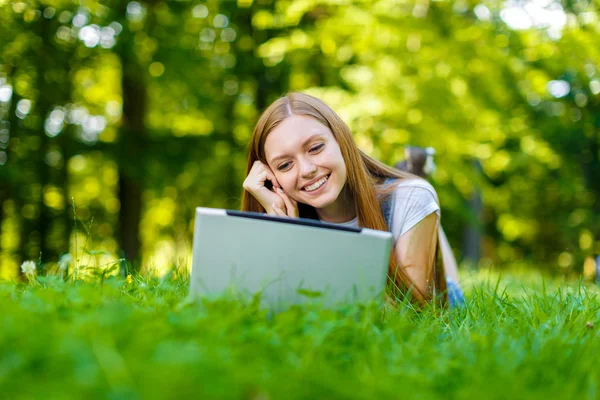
(310, 138)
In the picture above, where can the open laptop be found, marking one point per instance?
(287, 260)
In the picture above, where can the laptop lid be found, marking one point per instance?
(289, 261)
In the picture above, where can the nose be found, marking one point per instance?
(307, 169)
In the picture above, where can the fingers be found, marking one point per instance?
(264, 173)
(262, 177)
(278, 211)
(271, 177)
(290, 204)
(255, 184)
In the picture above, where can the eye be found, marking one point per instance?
(285, 166)
(317, 147)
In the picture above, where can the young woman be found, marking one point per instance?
(303, 162)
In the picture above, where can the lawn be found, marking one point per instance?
(517, 337)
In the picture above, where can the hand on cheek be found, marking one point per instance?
(290, 205)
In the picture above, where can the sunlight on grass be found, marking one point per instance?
(143, 337)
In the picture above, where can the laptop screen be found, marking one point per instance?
(294, 221)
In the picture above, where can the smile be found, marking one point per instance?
(315, 186)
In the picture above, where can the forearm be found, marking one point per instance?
(415, 253)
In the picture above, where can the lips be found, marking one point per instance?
(313, 181)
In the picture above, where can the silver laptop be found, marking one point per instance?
(286, 261)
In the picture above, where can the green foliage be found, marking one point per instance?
(144, 338)
(145, 108)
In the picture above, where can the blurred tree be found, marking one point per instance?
(141, 110)
(37, 69)
(133, 140)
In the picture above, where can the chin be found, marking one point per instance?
(321, 202)
(318, 204)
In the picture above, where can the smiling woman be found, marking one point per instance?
(308, 165)
(303, 162)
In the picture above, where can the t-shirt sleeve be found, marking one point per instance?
(412, 204)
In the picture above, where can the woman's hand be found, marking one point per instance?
(291, 206)
(271, 200)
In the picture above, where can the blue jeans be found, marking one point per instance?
(456, 297)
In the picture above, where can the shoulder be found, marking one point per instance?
(416, 189)
(414, 200)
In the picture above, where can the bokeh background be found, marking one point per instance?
(118, 118)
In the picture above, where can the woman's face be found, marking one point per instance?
(306, 160)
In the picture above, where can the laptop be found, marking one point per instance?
(286, 261)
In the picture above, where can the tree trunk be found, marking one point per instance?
(132, 140)
(52, 93)
(130, 196)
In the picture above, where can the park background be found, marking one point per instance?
(118, 118)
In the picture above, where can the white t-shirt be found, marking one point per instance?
(413, 201)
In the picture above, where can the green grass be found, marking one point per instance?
(110, 339)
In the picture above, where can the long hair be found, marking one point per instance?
(365, 181)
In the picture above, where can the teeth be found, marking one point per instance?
(316, 185)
